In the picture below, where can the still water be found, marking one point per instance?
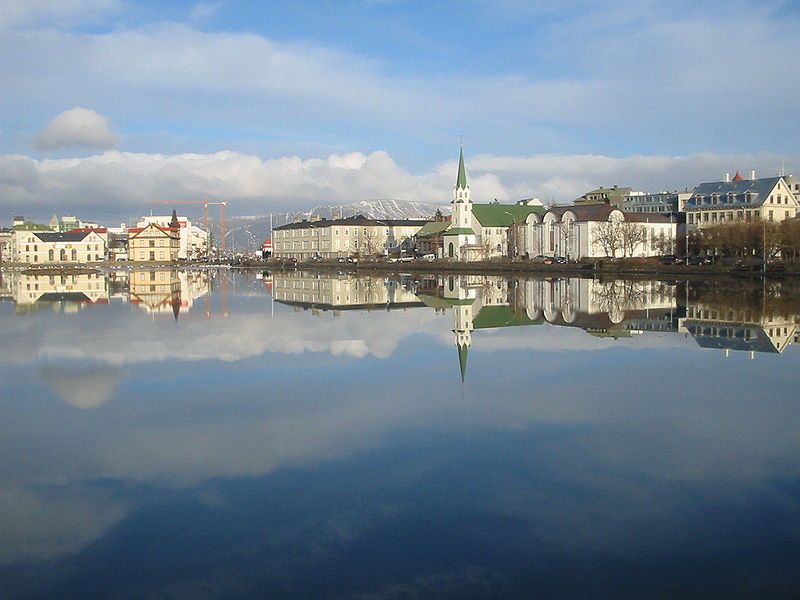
(212, 434)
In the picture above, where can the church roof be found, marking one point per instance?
(504, 215)
(463, 350)
(461, 180)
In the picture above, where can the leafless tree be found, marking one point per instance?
(567, 233)
(632, 236)
(608, 236)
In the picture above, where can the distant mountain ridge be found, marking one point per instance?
(250, 231)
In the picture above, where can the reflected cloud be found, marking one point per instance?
(80, 386)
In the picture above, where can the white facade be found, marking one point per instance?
(598, 231)
(48, 248)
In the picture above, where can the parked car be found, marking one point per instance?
(429, 257)
(560, 260)
(539, 258)
(699, 260)
(670, 259)
(405, 259)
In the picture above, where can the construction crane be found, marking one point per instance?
(206, 203)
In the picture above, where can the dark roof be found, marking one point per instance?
(68, 236)
(750, 192)
(357, 220)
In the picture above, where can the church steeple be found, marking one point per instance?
(463, 349)
(462, 203)
(461, 180)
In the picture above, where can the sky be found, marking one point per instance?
(110, 105)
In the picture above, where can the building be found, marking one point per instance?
(596, 231)
(156, 290)
(6, 244)
(661, 202)
(50, 247)
(154, 243)
(59, 291)
(766, 199)
(430, 238)
(193, 241)
(483, 231)
(332, 238)
(615, 196)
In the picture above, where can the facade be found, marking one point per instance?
(661, 202)
(483, 231)
(65, 293)
(6, 244)
(596, 231)
(49, 247)
(193, 241)
(767, 199)
(333, 238)
(153, 243)
(320, 292)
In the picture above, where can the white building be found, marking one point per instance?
(596, 231)
(49, 247)
(766, 199)
(332, 238)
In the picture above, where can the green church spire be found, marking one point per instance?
(461, 181)
(462, 360)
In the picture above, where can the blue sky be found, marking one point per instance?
(641, 93)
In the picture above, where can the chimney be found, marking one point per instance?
(753, 174)
(727, 177)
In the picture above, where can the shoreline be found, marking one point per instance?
(599, 268)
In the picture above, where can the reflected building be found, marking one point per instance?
(60, 291)
(323, 292)
(739, 329)
(614, 308)
(167, 291)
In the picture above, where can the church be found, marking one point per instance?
(483, 231)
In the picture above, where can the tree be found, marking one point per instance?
(567, 236)
(371, 241)
(607, 234)
(632, 235)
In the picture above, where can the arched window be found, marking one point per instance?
(63, 255)
(51, 255)
(74, 255)
(451, 281)
(450, 252)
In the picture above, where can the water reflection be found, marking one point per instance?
(302, 435)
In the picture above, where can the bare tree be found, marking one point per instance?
(567, 237)
(371, 241)
(632, 236)
(608, 236)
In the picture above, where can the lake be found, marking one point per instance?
(221, 434)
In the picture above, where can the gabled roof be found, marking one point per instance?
(459, 231)
(751, 192)
(433, 228)
(489, 317)
(168, 231)
(358, 220)
(503, 215)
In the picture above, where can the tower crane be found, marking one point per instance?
(206, 203)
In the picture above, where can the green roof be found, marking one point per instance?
(32, 227)
(461, 180)
(433, 228)
(490, 317)
(504, 215)
(440, 302)
(459, 231)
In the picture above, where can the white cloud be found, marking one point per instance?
(77, 127)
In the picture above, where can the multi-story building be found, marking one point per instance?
(154, 243)
(340, 292)
(765, 199)
(483, 231)
(193, 241)
(69, 293)
(49, 247)
(332, 238)
(156, 290)
(661, 202)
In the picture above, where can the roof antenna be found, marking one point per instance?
(461, 141)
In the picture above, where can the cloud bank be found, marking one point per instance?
(126, 182)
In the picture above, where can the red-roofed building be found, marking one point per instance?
(153, 243)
